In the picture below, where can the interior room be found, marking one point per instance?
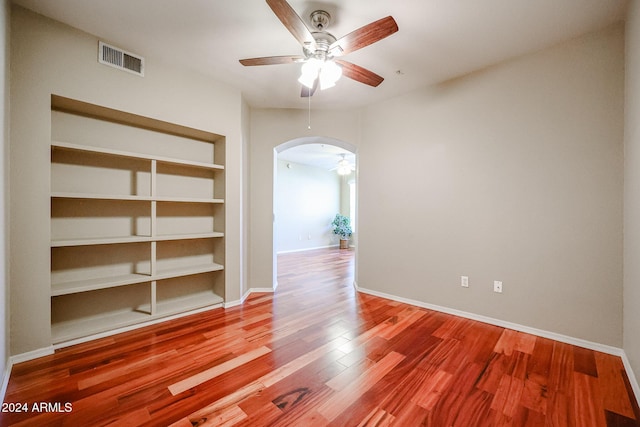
(494, 156)
(314, 181)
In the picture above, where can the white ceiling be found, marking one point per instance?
(437, 39)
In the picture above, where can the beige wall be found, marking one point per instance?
(307, 200)
(632, 191)
(246, 206)
(49, 57)
(5, 11)
(269, 129)
(513, 173)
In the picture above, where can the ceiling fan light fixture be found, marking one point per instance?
(343, 167)
(329, 74)
(309, 72)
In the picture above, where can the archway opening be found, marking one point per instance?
(308, 192)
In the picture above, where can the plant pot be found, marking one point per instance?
(344, 244)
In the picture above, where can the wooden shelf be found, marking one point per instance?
(99, 241)
(186, 271)
(119, 153)
(86, 285)
(187, 200)
(131, 239)
(64, 195)
(192, 302)
(166, 237)
(80, 196)
(72, 329)
(93, 284)
(78, 328)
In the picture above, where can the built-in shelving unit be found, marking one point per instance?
(137, 219)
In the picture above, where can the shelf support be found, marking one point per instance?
(153, 189)
(153, 298)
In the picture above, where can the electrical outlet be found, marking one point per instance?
(464, 281)
(497, 286)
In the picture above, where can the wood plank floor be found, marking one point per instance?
(316, 353)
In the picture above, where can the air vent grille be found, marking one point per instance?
(118, 58)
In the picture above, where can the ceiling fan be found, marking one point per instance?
(343, 167)
(321, 49)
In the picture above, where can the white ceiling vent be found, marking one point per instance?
(118, 58)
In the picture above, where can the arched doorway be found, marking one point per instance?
(331, 153)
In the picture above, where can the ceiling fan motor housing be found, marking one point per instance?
(321, 49)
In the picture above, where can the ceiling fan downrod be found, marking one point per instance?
(320, 20)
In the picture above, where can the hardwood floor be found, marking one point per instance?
(316, 353)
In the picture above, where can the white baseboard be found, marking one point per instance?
(249, 292)
(259, 290)
(230, 304)
(19, 358)
(632, 378)
(5, 379)
(306, 249)
(615, 351)
(30, 355)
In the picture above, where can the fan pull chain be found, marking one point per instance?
(309, 127)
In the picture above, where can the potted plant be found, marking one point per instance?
(342, 228)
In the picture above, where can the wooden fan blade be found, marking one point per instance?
(272, 60)
(306, 92)
(292, 22)
(359, 74)
(364, 36)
